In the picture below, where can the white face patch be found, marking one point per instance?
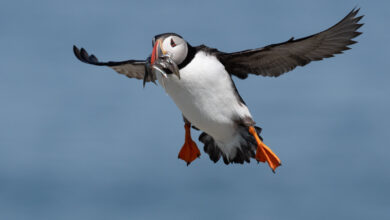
(176, 47)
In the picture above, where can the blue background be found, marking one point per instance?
(82, 142)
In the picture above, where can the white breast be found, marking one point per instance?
(206, 97)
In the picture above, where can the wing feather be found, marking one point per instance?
(130, 68)
(276, 59)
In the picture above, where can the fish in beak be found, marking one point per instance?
(161, 60)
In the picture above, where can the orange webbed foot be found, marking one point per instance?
(189, 152)
(264, 153)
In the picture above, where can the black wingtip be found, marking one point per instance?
(83, 56)
(355, 10)
(76, 52)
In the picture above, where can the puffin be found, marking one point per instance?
(199, 80)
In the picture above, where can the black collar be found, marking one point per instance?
(190, 55)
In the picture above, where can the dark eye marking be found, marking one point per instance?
(173, 44)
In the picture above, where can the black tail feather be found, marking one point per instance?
(243, 154)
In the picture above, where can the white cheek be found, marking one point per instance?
(179, 53)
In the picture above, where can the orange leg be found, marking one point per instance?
(189, 152)
(263, 153)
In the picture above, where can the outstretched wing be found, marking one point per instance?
(131, 68)
(276, 59)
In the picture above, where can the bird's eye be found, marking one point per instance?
(173, 44)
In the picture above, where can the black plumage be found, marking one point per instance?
(244, 151)
(276, 59)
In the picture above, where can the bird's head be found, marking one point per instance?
(169, 51)
(169, 44)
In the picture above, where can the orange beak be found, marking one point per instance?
(157, 51)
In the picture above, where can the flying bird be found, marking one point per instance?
(199, 80)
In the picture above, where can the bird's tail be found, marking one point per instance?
(244, 148)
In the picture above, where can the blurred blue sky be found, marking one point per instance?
(82, 142)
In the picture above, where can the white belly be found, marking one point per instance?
(206, 97)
